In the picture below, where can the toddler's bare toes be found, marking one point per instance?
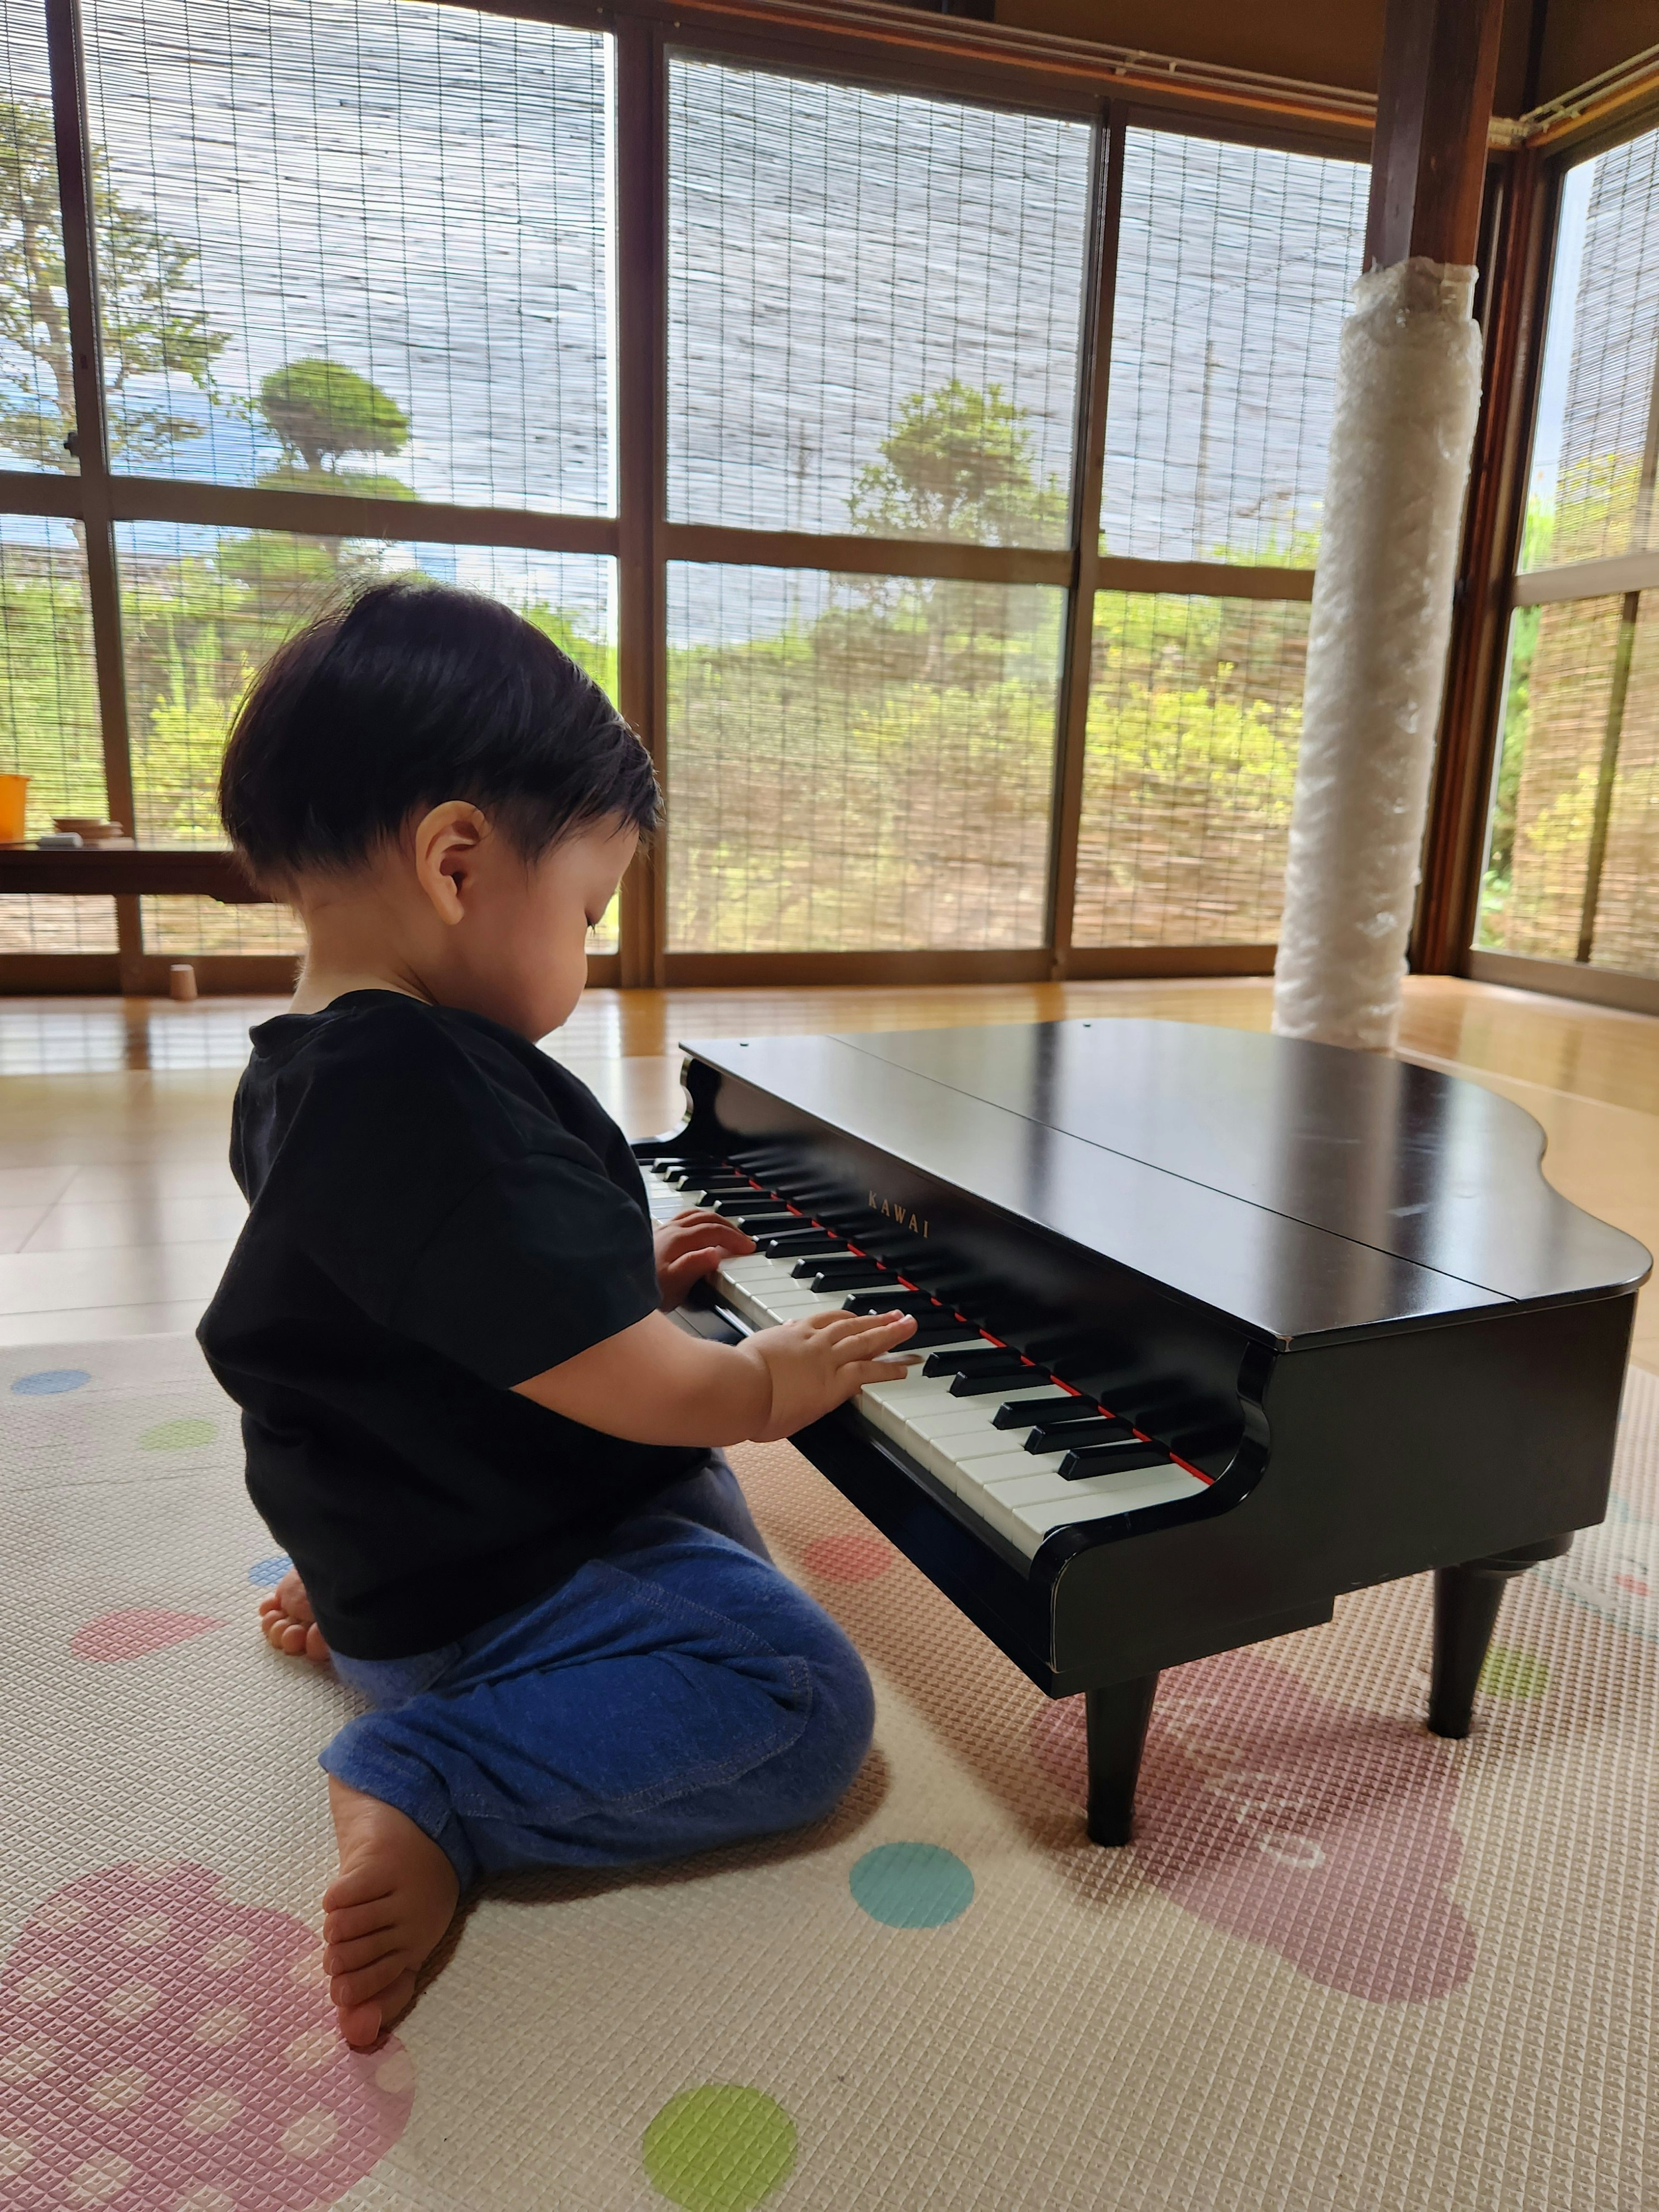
(392, 1901)
(363, 2025)
(345, 1923)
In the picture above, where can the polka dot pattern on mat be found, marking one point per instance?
(912, 1885)
(265, 1574)
(1510, 1672)
(177, 1436)
(135, 1630)
(50, 1382)
(852, 1557)
(157, 2051)
(720, 2148)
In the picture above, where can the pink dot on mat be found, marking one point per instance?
(219, 2084)
(854, 1556)
(136, 1630)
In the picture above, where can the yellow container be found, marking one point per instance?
(14, 803)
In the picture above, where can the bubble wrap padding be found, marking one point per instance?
(1345, 1968)
(1407, 393)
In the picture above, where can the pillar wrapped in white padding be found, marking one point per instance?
(1407, 393)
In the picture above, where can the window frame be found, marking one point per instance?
(1495, 585)
(924, 56)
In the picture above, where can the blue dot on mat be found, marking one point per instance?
(265, 1574)
(912, 1885)
(50, 1382)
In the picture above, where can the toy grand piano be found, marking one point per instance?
(1216, 1327)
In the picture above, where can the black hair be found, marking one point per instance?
(408, 693)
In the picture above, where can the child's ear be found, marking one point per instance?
(446, 845)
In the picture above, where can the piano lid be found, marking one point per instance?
(1302, 1189)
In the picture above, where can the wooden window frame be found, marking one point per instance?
(851, 42)
(1524, 208)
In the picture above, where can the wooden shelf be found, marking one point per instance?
(184, 873)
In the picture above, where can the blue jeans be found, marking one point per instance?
(676, 1693)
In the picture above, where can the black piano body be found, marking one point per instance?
(1334, 1286)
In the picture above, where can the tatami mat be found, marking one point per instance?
(1345, 1966)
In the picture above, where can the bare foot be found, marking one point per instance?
(382, 1918)
(288, 1623)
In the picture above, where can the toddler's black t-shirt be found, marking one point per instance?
(437, 1212)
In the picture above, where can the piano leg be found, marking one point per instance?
(1117, 1718)
(1466, 1603)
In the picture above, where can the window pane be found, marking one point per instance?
(1194, 712)
(32, 924)
(1234, 269)
(36, 370)
(201, 609)
(187, 927)
(1591, 489)
(49, 719)
(873, 310)
(857, 762)
(357, 248)
(1627, 926)
(1555, 723)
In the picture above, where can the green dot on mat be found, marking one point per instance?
(721, 2148)
(1511, 1673)
(174, 1436)
(912, 1885)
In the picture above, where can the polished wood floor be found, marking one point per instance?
(116, 1209)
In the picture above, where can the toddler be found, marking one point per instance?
(491, 1455)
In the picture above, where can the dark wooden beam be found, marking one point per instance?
(1088, 466)
(73, 147)
(642, 455)
(1434, 97)
(1454, 847)
(202, 873)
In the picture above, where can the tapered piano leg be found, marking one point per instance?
(1117, 1718)
(1466, 1603)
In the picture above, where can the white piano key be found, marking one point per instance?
(916, 1391)
(1008, 1461)
(1128, 1493)
(970, 1417)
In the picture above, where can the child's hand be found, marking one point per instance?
(815, 1365)
(692, 1245)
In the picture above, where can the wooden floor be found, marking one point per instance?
(116, 1209)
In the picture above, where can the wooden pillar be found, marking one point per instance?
(1406, 400)
(1434, 97)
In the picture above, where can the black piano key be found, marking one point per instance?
(876, 1291)
(993, 1381)
(757, 1214)
(947, 1330)
(1079, 1436)
(1045, 1413)
(880, 1299)
(969, 1293)
(844, 1264)
(1159, 1415)
(982, 1360)
(800, 1243)
(1111, 1458)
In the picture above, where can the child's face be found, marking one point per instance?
(516, 949)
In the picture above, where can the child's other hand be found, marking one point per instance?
(288, 1623)
(817, 1365)
(692, 1245)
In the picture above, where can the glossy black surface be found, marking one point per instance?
(1304, 1193)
